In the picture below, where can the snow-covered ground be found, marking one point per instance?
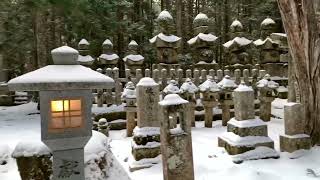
(22, 123)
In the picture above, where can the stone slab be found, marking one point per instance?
(293, 143)
(254, 127)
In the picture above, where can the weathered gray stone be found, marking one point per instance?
(294, 118)
(294, 143)
(259, 128)
(244, 104)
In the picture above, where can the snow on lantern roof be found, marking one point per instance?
(129, 91)
(133, 43)
(243, 88)
(241, 41)
(107, 42)
(268, 21)
(86, 58)
(201, 16)
(147, 81)
(189, 86)
(267, 82)
(204, 37)
(61, 77)
(84, 42)
(172, 99)
(209, 85)
(164, 15)
(133, 57)
(260, 42)
(64, 50)
(109, 57)
(171, 88)
(236, 23)
(226, 82)
(166, 38)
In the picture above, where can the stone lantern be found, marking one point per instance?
(266, 89)
(225, 97)
(209, 95)
(203, 43)
(84, 58)
(188, 91)
(129, 95)
(268, 26)
(65, 101)
(171, 88)
(166, 43)
(133, 60)
(108, 59)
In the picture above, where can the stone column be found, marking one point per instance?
(188, 91)
(131, 110)
(294, 123)
(176, 144)
(225, 107)
(265, 108)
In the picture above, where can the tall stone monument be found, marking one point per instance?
(245, 131)
(84, 58)
(129, 96)
(133, 60)
(176, 143)
(108, 59)
(188, 91)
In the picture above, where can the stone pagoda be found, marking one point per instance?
(245, 131)
(269, 50)
(84, 58)
(238, 49)
(108, 59)
(133, 59)
(203, 44)
(166, 43)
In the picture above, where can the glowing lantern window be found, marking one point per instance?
(65, 114)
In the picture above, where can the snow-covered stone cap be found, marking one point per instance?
(99, 70)
(226, 82)
(133, 43)
(267, 42)
(243, 88)
(109, 57)
(107, 42)
(165, 38)
(267, 22)
(171, 88)
(129, 91)
(189, 87)
(147, 81)
(64, 55)
(164, 16)
(61, 77)
(133, 57)
(203, 37)
(84, 42)
(30, 148)
(267, 82)
(209, 85)
(237, 41)
(172, 99)
(201, 20)
(236, 25)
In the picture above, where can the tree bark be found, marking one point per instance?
(300, 23)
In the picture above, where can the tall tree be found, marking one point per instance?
(300, 23)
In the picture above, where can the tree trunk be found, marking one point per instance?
(304, 42)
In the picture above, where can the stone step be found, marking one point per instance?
(150, 150)
(235, 144)
(295, 142)
(252, 127)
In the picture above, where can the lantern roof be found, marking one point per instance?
(172, 100)
(66, 74)
(188, 86)
(84, 42)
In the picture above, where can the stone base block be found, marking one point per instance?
(253, 127)
(6, 100)
(235, 144)
(150, 150)
(295, 142)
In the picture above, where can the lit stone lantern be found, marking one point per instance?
(129, 95)
(225, 98)
(84, 58)
(133, 60)
(108, 59)
(65, 101)
(188, 91)
(266, 88)
(209, 95)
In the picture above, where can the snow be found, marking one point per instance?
(297, 136)
(86, 58)
(226, 82)
(189, 87)
(133, 57)
(268, 21)
(209, 85)
(30, 148)
(148, 145)
(236, 23)
(133, 43)
(97, 144)
(176, 131)
(84, 42)
(64, 49)
(243, 88)
(164, 15)
(146, 131)
(107, 42)
(109, 57)
(239, 141)
(246, 123)
(172, 88)
(266, 82)
(258, 153)
(282, 89)
(205, 37)
(4, 153)
(167, 38)
(172, 99)
(147, 81)
(260, 42)
(201, 16)
(241, 41)
(129, 91)
(58, 74)
(280, 34)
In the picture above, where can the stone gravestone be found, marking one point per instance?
(84, 57)
(176, 144)
(133, 60)
(108, 59)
